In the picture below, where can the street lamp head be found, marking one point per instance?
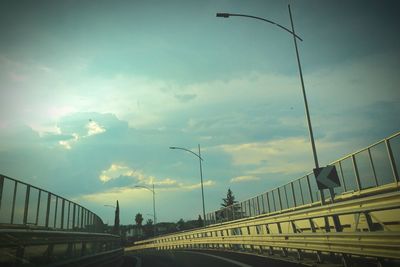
(223, 15)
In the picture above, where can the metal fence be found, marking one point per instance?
(25, 205)
(373, 166)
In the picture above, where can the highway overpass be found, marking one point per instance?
(356, 223)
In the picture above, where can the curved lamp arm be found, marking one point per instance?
(145, 187)
(181, 148)
(227, 15)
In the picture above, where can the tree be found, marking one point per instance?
(180, 224)
(229, 200)
(229, 210)
(116, 220)
(148, 228)
(139, 219)
(199, 221)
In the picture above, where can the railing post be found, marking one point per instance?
(38, 208)
(343, 180)
(372, 166)
(13, 203)
(73, 216)
(287, 199)
(356, 172)
(48, 209)
(280, 199)
(1, 188)
(62, 213)
(28, 190)
(55, 213)
(69, 209)
(294, 197)
(309, 189)
(391, 159)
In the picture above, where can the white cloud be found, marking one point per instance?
(286, 155)
(114, 172)
(117, 170)
(130, 192)
(244, 178)
(94, 128)
(67, 144)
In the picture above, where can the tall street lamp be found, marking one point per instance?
(154, 202)
(295, 37)
(201, 176)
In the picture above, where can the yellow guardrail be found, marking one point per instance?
(366, 226)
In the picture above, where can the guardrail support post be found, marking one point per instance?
(20, 255)
(327, 226)
(346, 260)
(319, 257)
(299, 255)
(337, 224)
(312, 226)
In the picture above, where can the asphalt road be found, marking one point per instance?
(200, 259)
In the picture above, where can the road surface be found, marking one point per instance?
(189, 258)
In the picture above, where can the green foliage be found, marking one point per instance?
(199, 221)
(229, 200)
(180, 225)
(139, 219)
(116, 220)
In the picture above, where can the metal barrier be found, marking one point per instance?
(362, 220)
(364, 227)
(25, 205)
(38, 227)
(57, 248)
(373, 166)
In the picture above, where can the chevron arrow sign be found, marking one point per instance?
(327, 177)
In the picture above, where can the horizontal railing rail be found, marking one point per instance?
(25, 205)
(374, 166)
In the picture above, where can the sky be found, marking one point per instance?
(93, 93)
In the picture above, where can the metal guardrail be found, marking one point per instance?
(371, 167)
(25, 205)
(39, 228)
(57, 248)
(363, 219)
(365, 227)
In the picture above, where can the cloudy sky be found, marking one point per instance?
(92, 94)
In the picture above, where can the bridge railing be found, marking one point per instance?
(374, 166)
(25, 205)
(38, 227)
(365, 228)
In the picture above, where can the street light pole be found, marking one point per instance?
(201, 176)
(295, 37)
(202, 188)
(154, 202)
(304, 94)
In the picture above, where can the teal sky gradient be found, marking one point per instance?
(92, 94)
